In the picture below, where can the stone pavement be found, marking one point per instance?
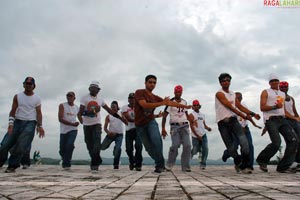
(216, 182)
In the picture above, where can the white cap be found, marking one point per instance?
(273, 77)
(95, 84)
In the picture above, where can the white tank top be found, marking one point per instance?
(222, 111)
(289, 106)
(199, 118)
(115, 125)
(27, 106)
(273, 96)
(70, 113)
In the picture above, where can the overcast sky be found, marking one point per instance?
(66, 44)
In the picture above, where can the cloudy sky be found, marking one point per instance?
(66, 44)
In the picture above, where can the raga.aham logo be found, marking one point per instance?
(282, 3)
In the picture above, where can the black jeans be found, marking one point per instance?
(92, 138)
(276, 125)
(229, 129)
(131, 137)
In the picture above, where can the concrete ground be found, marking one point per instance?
(215, 182)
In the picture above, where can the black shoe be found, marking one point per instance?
(131, 167)
(224, 157)
(263, 167)
(138, 168)
(116, 167)
(10, 170)
(288, 171)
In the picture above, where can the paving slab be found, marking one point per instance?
(213, 183)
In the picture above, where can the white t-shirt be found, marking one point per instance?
(241, 120)
(222, 111)
(27, 106)
(87, 101)
(199, 119)
(70, 114)
(130, 112)
(177, 115)
(115, 125)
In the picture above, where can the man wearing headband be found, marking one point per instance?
(291, 109)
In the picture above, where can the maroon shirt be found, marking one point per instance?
(141, 115)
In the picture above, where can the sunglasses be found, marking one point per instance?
(225, 80)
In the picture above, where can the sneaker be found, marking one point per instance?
(263, 167)
(25, 167)
(138, 168)
(247, 171)
(298, 167)
(10, 170)
(294, 165)
(159, 170)
(94, 169)
(202, 167)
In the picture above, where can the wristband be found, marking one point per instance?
(11, 120)
(274, 107)
(252, 113)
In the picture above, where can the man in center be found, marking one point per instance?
(179, 132)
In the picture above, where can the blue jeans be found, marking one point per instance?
(92, 138)
(150, 136)
(201, 147)
(276, 125)
(137, 159)
(66, 147)
(118, 138)
(20, 139)
(229, 129)
(250, 143)
(296, 126)
(180, 135)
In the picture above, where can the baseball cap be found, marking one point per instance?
(178, 88)
(196, 102)
(273, 77)
(131, 96)
(71, 94)
(283, 84)
(95, 84)
(29, 80)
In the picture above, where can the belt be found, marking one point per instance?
(179, 123)
(276, 117)
(229, 119)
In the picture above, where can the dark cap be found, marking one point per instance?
(131, 96)
(71, 94)
(29, 80)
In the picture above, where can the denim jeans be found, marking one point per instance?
(20, 139)
(66, 147)
(180, 135)
(274, 127)
(250, 143)
(118, 138)
(201, 147)
(150, 136)
(229, 129)
(137, 159)
(296, 126)
(92, 138)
